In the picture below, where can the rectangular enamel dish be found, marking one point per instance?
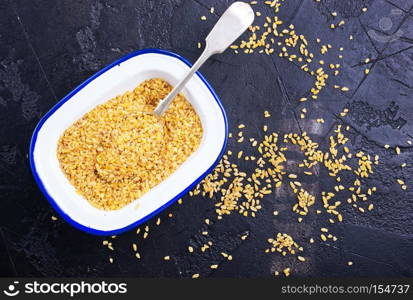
(117, 78)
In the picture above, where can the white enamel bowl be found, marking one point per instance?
(115, 79)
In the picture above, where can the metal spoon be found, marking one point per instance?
(229, 27)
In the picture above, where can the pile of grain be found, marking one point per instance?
(119, 150)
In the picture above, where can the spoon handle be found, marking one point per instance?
(233, 22)
(163, 105)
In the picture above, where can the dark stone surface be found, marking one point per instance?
(49, 47)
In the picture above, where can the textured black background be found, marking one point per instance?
(49, 47)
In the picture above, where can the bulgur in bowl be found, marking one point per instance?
(117, 79)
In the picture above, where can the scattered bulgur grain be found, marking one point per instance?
(251, 186)
(283, 243)
(399, 181)
(344, 112)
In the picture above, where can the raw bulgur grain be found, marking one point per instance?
(112, 154)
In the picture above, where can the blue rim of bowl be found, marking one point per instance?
(76, 90)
